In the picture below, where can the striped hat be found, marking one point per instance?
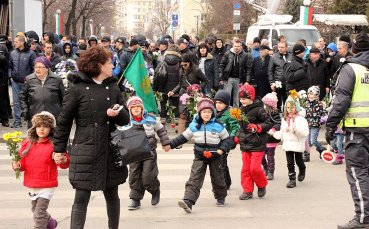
(134, 101)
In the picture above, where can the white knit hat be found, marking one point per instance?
(315, 90)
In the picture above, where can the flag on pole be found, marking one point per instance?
(137, 76)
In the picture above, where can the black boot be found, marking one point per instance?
(301, 176)
(306, 157)
(292, 182)
(78, 216)
(155, 198)
(134, 205)
(321, 151)
(5, 123)
(113, 210)
(186, 205)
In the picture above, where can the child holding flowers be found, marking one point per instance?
(39, 164)
(211, 141)
(222, 100)
(253, 137)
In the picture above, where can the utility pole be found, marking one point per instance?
(11, 20)
(197, 25)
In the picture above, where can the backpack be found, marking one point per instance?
(160, 75)
(286, 69)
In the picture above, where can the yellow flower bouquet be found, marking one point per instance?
(13, 141)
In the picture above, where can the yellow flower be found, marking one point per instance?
(294, 94)
(235, 113)
(6, 136)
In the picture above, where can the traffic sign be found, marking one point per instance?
(237, 12)
(175, 23)
(174, 17)
(236, 26)
(236, 5)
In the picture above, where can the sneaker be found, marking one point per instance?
(155, 198)
(337, 162)
(291, 184)
(270, 176)
(261, 192)
(353, 224)
(186, 205)
(52, 224)
(245, 196)
(220, 202)
(134, 205)
(16, 125)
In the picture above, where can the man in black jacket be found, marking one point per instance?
(350, 107)
(296, 70)
(235, 68)
(276, 76)
(259, 72)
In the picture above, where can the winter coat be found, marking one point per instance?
(37, 96)
(125, 58)
(275, 68)
(4, 65)
(152, 125)
(314, 112)
(296, 75)
(21, 64)
(211, 73)
(192, 54)
(172, 60)
(92, 167)
(259, 76)
(318, 74)
(336, 62)
(254, 142)
(40, 169)
(227, 63)
(230, 123)
(218, 54)
(71, 55)
(336, 69)
(344, 91)
(208, 137)
(255, 53)
(275, 119)
(294, 134)
(192, 76)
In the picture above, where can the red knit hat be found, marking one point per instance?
(134, 101)
(204, 103)
(247, 91)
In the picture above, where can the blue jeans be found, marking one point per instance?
(313, 138)
(337, 143)
(232, 87)
(16, 88)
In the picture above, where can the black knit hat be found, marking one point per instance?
(345, 38)
(361, 43)
(223, 96)
(256, 40)
(297, 49)
(133, 42)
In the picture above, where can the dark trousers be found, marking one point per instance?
(282, 97)
(225, 168)
(81, 200)
(291, 157)
(4, 102)
(270, 160)
(143, 175)
(173, 101)
(40, 215)
(196, 180)
(357, 172)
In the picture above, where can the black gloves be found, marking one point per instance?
(329, 134)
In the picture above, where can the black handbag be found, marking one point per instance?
(130, 144)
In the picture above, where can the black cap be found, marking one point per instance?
(314, 50)
(106, 39)
(361, 43)
(262, 47)
(144, 43)
(185, 36)
(182, 40)
(256, 40)
(133, 42)
(163, 42)
(297, 49)
(121, 40)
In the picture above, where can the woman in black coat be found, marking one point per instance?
(94, 101)
(209, 67)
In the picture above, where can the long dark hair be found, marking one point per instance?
(202, 45)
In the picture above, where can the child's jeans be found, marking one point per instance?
(40, 215)
(313, 138)
(337, 143)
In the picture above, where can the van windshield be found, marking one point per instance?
(310, 35)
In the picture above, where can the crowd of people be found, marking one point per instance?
(252, 94)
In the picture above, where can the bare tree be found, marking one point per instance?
(161, 18)
(71, 16)
(45, 10)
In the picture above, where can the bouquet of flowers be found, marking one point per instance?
(170, 113)
(13, 141)
(237, 114)
(326, 101)
(64, 68)
(295, 96)
(302, 96)
(190, 98)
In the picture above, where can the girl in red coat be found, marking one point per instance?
(40, 167)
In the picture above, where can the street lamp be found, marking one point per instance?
(91, 26)
(197, 25)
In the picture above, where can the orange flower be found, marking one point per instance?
(207, 154)
(294, 94)
(235, 113)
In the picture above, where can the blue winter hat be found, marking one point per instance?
(333, 47)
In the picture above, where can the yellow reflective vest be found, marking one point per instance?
(358, 112)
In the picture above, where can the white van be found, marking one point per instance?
(270, 30)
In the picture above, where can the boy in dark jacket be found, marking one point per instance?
(143, 175)
(253, 138)
(211, 141)
(222, 100)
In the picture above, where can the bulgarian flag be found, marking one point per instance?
(137, 76)
(306, 15)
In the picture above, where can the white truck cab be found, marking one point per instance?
(271, 26)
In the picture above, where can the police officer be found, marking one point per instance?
(350, 109)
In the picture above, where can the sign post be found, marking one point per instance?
(236, 16)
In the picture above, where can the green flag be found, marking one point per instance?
(137, 76)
